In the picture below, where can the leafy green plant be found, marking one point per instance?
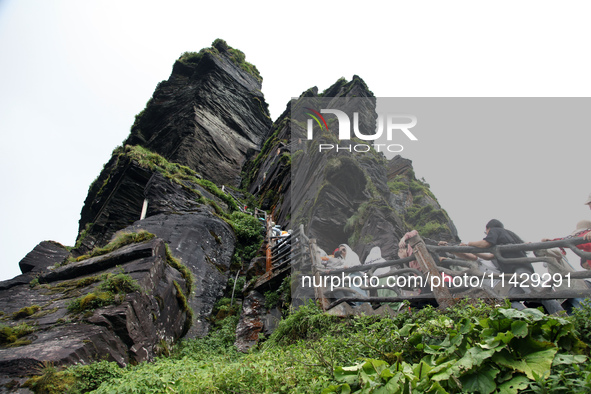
(89, 377)
(50, 380)
(249, 235)
(184, 304)
(91, 301)
(177, 265)
(582, 320)
(509, 349)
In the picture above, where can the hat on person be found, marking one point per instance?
(588, 199)
(582, 225)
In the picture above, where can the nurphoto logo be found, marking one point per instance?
(392, 123)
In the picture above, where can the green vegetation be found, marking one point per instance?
(177, 173)
(184, 304)
(249, 236)
(74, 380)
(422, 215)
(69, 286)
(219, 47)
(426, 219)
(26, 312)
(121, 239)
(109, 292)
(177, 265)
(13, 336)
(83, 234)
(472, 347)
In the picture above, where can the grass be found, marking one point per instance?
(308, 350)
(219, 47)
(121, 239)
(185, 272)
(109, 292)
(177, 173)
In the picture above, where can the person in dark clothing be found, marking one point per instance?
(496, 234)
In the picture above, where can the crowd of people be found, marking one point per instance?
(495, 234)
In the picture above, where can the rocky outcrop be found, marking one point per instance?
(45, 254)
(360, 199)
(206, 126)
(413, 201)
(124, 327)
(196, 132)
(205, 244)
(208, 115)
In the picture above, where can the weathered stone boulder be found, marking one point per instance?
(126, 327)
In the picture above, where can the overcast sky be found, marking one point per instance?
(73, 74)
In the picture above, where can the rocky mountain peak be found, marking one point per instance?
(207, 115)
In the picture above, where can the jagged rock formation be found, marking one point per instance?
(360, 199)
(129, 327)
(412, 200)
(204, 121)
(207, 115)
(206, 126)
(400, 201)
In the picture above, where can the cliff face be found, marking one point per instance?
(195, 132)
(388, 200)
(206, 126)
(357, 198)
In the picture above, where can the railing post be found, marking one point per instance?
(441, 293)
(318, 291)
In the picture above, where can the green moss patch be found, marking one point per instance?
(109, 292)
(13, 336)
(122, 239)
(184, 304)
(26, 311)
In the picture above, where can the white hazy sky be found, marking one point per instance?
(74, 73)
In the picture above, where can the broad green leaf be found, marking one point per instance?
(394, 385)
(569, 359)
(465, 326)
(373, 367)
(536, 362)
(421, 369)
(406, 329)
(347, 374)
(443, 371)
(482, 382)
(534, 314)
(332, 388)
(519, 329)
(386, 374)
(436, 389)
(514, 385)
(513, 313)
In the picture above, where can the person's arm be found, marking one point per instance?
(480, 244)
(485, 256)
